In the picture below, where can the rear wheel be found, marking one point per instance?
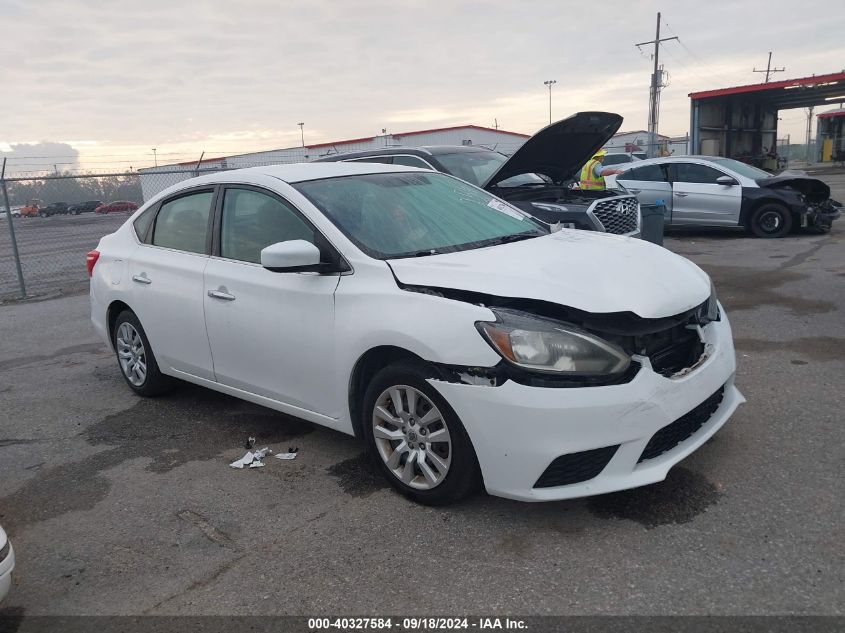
(416, 438)
(770, 220)
(136, 359)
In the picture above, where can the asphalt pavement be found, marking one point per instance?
(123, 505)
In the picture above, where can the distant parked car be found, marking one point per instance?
(84, 207)
(54, 208)
(715, 191)
(7, 564)
(116, 207)
(30, 209)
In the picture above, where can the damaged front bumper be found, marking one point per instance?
(522, 433)
(821, 216)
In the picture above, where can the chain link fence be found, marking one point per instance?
(49, 223)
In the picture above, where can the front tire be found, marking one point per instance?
(416, 438)
(136, 359)
(771, 220)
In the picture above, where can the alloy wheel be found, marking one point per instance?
(411, 437)
(131, 354)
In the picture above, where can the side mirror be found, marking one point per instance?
(292, 256)
(727, 181)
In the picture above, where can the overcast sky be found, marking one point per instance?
(112, 80)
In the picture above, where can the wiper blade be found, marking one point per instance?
(516, 237)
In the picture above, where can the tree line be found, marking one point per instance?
(78, 188)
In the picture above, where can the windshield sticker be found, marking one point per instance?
(501, 207)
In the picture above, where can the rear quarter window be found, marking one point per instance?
(142, 224)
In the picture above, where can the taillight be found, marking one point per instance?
(91, 259)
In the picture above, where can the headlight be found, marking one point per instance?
(539, 344)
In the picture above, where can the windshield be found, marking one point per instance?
(478, 167)
(409, 214)
(741, 168)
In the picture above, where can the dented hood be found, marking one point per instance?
(560, 149)
(588, 271)
(814, 189)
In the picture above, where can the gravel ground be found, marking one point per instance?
(119, 505)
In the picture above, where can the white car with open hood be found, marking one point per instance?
(451, 332)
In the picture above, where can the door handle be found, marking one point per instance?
(681, 195)
(634, 190)
(219, 294)
(141, 279)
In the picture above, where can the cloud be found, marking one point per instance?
(38, 157)
(226, 76)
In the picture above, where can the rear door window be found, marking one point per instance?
(182, 223)
(694, 173)
(646, 173)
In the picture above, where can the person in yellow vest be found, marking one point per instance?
(592, 174)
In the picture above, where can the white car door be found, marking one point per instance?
(166, 282)
(698, 199)
(271, 333)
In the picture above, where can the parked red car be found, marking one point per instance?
(117, 206)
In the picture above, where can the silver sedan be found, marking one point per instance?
(715, 191)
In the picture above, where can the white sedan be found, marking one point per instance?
(7, 564)
(463, 343)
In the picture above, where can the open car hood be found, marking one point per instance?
(592, 272)
(560, 149)
(812, 188)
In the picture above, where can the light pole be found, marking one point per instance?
(155, 157)
(302, 132)
(549, 84)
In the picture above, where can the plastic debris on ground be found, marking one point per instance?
(254, 459)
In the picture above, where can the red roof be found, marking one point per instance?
(831, 114)
(365, 139)
(772, 85)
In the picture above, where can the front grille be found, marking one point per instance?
(673, 434)
(618, 215)
(576, 467)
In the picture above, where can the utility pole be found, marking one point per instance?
(809, 131)
(549, 84)
(155, 157)
(496, 124)
(654, 96)
(769, 70)
(302, 132)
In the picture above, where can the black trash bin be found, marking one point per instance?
(652, 227)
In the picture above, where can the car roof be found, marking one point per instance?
(690, 158)
(425, 150)
(301, 172)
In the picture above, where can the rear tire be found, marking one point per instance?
(136, 359)
(401, 411)
(770, 220)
